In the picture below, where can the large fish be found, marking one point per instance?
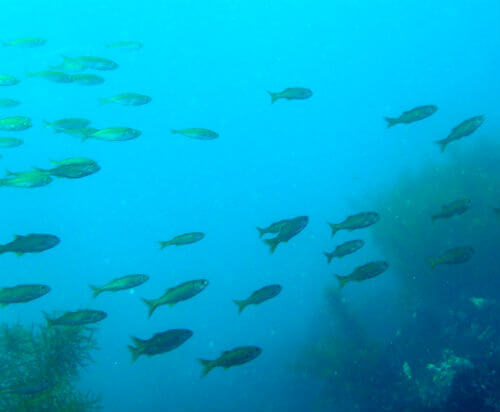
(77, 318)
(184, 239)
(160, 343)
(353, 222)
(455, 208)
(32, 243)
(22, 293)
(464, 129)
(123, 283)
(288, 230)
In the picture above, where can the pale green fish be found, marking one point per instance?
(184, 239)
(69, 66)
(85, 79)
(15, 123)
(69, 123)
(72, 168)
(22, 293)
(115, 134)
(80, 133)
(410, 116)
(128, 99)
(177, 294)
(28, 42)
(77, 318)
(7, 103)
(259, 296)
(197, 133)
(93, 62)
(26, 180)
(52, 76)
(123, 283)
(32, 243)
(230, 358)
(291, 93)
(131, 45)
(8, 142)
(6, 80)
(464, 129)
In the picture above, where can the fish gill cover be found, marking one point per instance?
(359, 138)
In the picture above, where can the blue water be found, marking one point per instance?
(209, 64)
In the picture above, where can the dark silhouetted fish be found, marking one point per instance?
(291, 93)
(413, 115)
(259, 296)
(453, 256)
(353, 222)
(464, 129)
(32, 243)
(455, 208)
(22, 293)
(288, 229)
(345, 249)
(184, 239)
(230, 358)
(77, 318)
(361, 273)
(160, 343)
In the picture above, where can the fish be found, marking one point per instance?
(364, 272)
(122, 283)
(52, 76)
(68, 123)
(288, 230)
(464, 129)
(178, 293)
(26, 180)
(22, 293)
(197, 133)
(9, 142)
(80, 133)
(259, 296)
(28, 42)
(184, 239)
(128, 99)
(72, 168)
(32, 243)
(452, 257)
(273, 228)
(69, 66)
(291, 93)
(92, 62)
(414, 115)
(345, 249)
(353, 222)
(230, 358)
(115, 134)
(160, 343)
(8, 103)
(86, 79)
(6, 80)
(130, 45)
(77, 318)
(15, 123)
(455, 208)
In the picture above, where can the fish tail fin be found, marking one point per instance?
(329, 256)
(103, 100)
(96, 290)
(335, 228)
(65, 58)
(30, 74)
(174, 131)
(343, 280)
(151, 306)
(391, 121)
(47, 319)
(262, 232)
(433, 262)
(134, 352)
(272, 243)
(47, 124)
(164, 244)
(38, 169)
(274, 96)
(242, 304)
(442, 144)
(207, 366)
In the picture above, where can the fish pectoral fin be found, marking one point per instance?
(19, 254)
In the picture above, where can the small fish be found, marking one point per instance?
(69, 123)
(72, 168)
(184, 239)
(22, 294)
(345, 249)
(85, 79)
(80, 133)
(413, 115)
(32, 243)
(8, 142)
(197, 133)
(178, 293)
(26, 180)
(160, 343)
(130, 45)
(353, 222)
(291, 93)
(455, 208)
(28, 42)
(464, 129)
(259, 296)
(361, 273)
(92, 62)
(8, 103)
(288, 230)
(115, 134)
(452, 257)
(128, 99)
(123, 283)
(77, 318)
(69, 66)
(230, 358)
(6, 80)
(15, 123)
(52, 76)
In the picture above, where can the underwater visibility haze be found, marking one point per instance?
(269, 205)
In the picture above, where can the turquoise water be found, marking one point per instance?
(210, 65)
